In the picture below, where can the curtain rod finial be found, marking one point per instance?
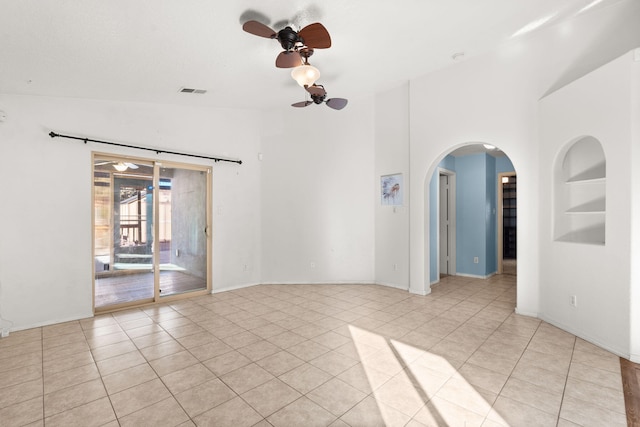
(53, 134)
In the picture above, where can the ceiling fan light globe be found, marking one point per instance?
(305, 75)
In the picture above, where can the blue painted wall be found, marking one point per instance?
(476, 220)
(471, 227)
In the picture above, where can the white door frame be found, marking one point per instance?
(500, 219)
(452, 220)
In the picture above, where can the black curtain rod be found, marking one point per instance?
(156, 150)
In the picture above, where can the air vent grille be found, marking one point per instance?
(191, 90)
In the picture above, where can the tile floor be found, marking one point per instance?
(313, 355)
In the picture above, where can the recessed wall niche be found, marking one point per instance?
(580, 192)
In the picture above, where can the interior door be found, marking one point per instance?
(444, 224)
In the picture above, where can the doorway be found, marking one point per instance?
(446, 223)
(151, 231)
(507, 223)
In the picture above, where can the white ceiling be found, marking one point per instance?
(146, 50)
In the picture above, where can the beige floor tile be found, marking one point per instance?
(71, 397)
(163, 349)
(482, 377)
(259, 350)
(198, 339)
(118, 363)
(244, 379)
(308, 350)
(50, 367)
(336, 396)
(127, 378)
(363, 378)
(286, 339)
(173, 362)
(371, 413)
(20, 361)
(233, 413)
(601, 377)
(210, 350)
(302, 412)
(551, 381)
(19, 349)
(270, 397)
(64, 351)
(20, 375)
(305, 378)
(511, 412)
(22, 413)
(333, 363)
(501, 364)
(553, 363)
(205, 396)
(167, 412)
(402, 394)
(586, 414)
(187, 378)
(441, 412)
(610, 399)
(226, 363)
(20, 392)
(112, 350)
(532, 395)
(96, 413)
(70, 378)
(152, 339)
(609, 363)
(459, 392)
(426, 381)
(108, 339)
(102, 330)
(280, 363)
(138, 397)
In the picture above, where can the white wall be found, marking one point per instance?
(635, 211)
(391, 157)
(598, 105)
(317, 195)
(493, 98)
(45, 246)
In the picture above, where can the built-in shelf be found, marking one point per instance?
(580, 186)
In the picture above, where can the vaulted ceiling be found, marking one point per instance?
(147, 50)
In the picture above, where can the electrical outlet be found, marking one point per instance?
(312, 264)
(574, 300)
(476, 260)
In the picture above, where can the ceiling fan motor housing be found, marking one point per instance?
(288, 38)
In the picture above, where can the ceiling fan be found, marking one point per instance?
(318, 95)
(313, 36)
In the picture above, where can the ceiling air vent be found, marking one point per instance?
(191, 90)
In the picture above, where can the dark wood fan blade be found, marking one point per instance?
(316, 90)
(315, 36)
(302, 104)
(337, 103)
(288, 60)
(259, 29)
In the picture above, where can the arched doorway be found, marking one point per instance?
(472, 202)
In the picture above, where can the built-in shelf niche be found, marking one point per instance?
(580, 193)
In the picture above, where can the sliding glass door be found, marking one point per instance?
(151, 231)
(183, 232)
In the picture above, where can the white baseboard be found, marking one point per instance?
(476, 276)
(580, 334)
(234, 287)
(392, 285)
(526, 313)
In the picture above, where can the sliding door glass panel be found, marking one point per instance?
(182, 230)
(123, 227)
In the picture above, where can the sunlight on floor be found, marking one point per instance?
(420, 378)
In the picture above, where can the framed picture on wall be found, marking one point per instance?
(391, 189)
